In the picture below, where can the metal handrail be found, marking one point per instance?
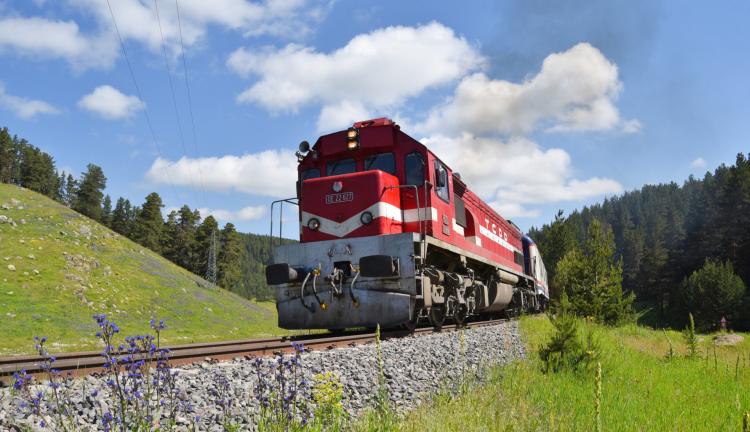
(422, 223)
(293, 200)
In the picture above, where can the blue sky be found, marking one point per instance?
(540, 105)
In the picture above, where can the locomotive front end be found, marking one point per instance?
(354, 265)
(338, 284)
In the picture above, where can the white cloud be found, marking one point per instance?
(269, 173)
(343, 113)
(515, 173)
(42, 38)
(242, 215)
(108, 102)
(514, 210)
(481, 130)
(698, 163)
(373, 71)
(575, 90)
(23, 107)
(136, 19)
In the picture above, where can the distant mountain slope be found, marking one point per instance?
(664, 233)
(254, 256)
(58, 268)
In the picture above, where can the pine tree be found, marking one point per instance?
(61, 183)
(184, 253)
(89, 195)
(106, 218)
(148, 228)
(71, 191)
(36, 170)
(633, 252)
(169, 238)
(592, 278)
(120, 222)
(229, 270)
(555, 240)
(7, 156)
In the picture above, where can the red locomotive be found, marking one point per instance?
(390, 235)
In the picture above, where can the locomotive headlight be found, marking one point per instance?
(352, 138)
(366, 218)
(313, 224)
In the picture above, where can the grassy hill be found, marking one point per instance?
(58, 268)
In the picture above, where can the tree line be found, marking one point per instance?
(185, 238)
(682, 248)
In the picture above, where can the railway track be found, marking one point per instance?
(90, 362)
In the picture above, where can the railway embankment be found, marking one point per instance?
(209, 395)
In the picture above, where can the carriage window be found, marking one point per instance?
(414, 169)
(441, 182)
(310, 173)
(341, 166)
(384, 162)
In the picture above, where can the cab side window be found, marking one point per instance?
(441, 182)
(414, 169)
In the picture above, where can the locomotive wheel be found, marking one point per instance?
(437, 317)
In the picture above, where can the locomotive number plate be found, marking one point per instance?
(339, 197)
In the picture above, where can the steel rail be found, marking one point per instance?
(90, 362)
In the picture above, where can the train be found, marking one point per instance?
(390, 235)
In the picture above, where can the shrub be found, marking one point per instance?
(566, 349)
(712, 292)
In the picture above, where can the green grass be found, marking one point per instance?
(641, 390)
(64, 276)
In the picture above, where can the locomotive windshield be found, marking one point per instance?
(341, 166)
(384, 162)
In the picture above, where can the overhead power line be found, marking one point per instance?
(171, 89)
(138, 91)
(189, 97)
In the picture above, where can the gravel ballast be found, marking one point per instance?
(415, 368)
